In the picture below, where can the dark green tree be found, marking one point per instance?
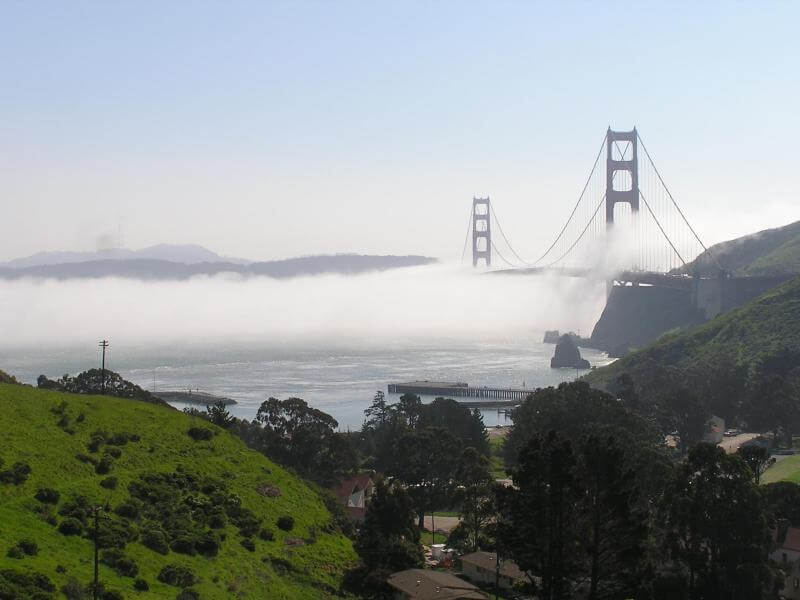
(475, 494)
(716, 530)
(218, 414)
(758, 458)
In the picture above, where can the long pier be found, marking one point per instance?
(462, 390)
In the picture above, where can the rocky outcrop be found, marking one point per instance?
(568, 355)
(551, 336)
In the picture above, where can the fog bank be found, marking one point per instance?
(414, 303)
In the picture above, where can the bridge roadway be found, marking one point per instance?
(633, 277)
(498, 396)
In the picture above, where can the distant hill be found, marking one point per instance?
(152, 269)
(762, 330)
(766, 253)
(180, 253)
(187, 504)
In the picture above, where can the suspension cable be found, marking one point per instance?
(500, 227)
(666, 237)
(503, 258)
(575, 208)
(685, 220)
(466, 237)
(575, 243)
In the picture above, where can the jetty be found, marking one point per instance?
(193, 397)
(499, 396)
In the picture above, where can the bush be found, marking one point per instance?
(110, 483)
(17, 474)
(140, 585)
(28, 546)
(123, 565)
(130, 509)
(73, 590)
(15, 552)
(156, 540)
(207, 545)
(104, 465)
(248, 544)
(114, 452)
(112, 595)
(266, 534)
(183, 544)
(16, 584)
(47, 496)
(81, 418)
(176, 575)
(70, 526)
(188, 594)
(200, 433)
(286, 523)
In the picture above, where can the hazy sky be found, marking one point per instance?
(266, 130)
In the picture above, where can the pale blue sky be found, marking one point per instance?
(275, 129)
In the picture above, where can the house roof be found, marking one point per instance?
(488, 561)
(791, 541)
(347, 486)
(420, 584)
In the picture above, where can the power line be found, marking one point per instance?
(503, 258)
(510, 247)
(575, 243)
(666, 237)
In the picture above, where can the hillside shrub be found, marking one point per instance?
(73, 590)
(70, 526)
(156, 540)
(183, 544)
(17, 474)
(266, 534)
(207, 545)
(110, 483)
(47, 495)
(86, 459)
(104, 465)
(15, 552)
(188, 594)
(116, 559)
(200, 433)
(28, 546)
(141, 585)
(114, 452)
(16, 584)
(96, 439)
(112, 595)
(285, 522)
(176, 575)
(248, 544)
(129, 509)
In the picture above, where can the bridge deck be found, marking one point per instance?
(462, 390)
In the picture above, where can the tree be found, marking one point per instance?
(616, 530)
(542, 532)
(475, 493)
(304, 438)
(218, 414)
(757, 458)
(716, 530)
(772, 404)
(426, 461)
(377, 413)
(387, 541)
(464, 424)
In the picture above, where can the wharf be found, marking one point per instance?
(499, 396)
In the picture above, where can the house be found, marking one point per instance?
(786, 552)
(715, 430)
(355, 492)
(422, 584)
(481, 567)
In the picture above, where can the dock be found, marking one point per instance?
(499, 396)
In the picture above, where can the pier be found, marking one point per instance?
(499, 396)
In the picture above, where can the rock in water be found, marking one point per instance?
(568, 355)
(551, 336)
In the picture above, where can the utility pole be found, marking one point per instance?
(96, 510)
(103, 344)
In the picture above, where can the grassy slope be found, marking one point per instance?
(742, 334)
(769, 252)
(30, 434)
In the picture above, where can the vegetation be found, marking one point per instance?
(177, 503)
(766, 253)
(742, 366)
(97, 381)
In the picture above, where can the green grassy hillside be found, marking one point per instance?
(764, 328)
(209, 498)
(771, 252)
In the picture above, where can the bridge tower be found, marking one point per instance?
(481, 232)
(622, 176)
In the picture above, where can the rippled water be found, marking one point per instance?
(339, 379)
